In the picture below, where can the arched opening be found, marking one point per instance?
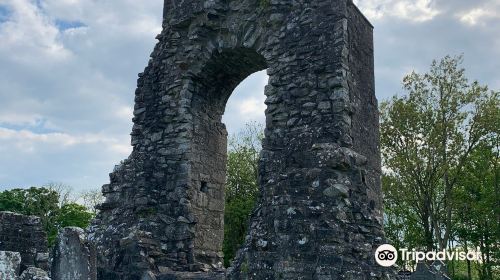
(244, 118)
(212, 89)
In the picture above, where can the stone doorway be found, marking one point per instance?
(212, 90)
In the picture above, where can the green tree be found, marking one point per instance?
(427, 138)
(50, 203)
(478, 209)
(241, 188)
(74, 215)
(12, 200)
(42, 202)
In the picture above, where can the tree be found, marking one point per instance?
(478, 224)
(64, 192)
(75, 215)
(41, 202)
(12, 200)
(55, 210)
(241, 188)
(91, 199)
(427, 138)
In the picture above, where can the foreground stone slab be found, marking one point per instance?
(10, 264)
(34, 273)
(73, 256)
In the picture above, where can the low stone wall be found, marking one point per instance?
(24, 234)
(24, 252)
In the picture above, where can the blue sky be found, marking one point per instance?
(68, 71)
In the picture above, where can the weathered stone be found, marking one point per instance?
(321, 123)
(190, 276)
(336, 190)
(34, 273)
(429, 272)
(24, 234)
(73, 256)
(10, 264)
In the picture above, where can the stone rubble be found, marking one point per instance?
(10, 264)
(34, 273)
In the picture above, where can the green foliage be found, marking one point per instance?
(12, 200)
(458, 270)
(440, 148)
(74, 215)
(241, 187)
(478, 198)
(42, 202)
(55, 210)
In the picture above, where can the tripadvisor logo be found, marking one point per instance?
(386, 255)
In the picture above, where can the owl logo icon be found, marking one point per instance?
(386, 255)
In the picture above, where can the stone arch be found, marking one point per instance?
(211, 91)
(319, 214)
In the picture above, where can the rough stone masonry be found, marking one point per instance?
(25, 235)
(319, 213)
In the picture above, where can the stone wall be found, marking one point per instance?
(24, 234)
(319, 213)
(24, 254)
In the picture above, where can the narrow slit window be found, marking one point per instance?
(204, 187)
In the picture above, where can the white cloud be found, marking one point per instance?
(125, 112)
(29, 33)
(246, 103)
(28, 142)
(67, 78)
(252, 107)
(479, 16)
(411, 10)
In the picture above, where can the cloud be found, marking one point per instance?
(252, 107)
(69, 69)
(27, 32)
(481, 15)
(30, 158)
(246, 103)
(411, 10)
(28, 141)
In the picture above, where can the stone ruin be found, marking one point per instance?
(23, 244)
(319, 214)
(24, 254)
(435, 271)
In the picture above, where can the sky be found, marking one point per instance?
(68, 71)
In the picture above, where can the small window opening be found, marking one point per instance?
(204, 187)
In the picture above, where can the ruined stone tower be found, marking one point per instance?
(319, 214)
